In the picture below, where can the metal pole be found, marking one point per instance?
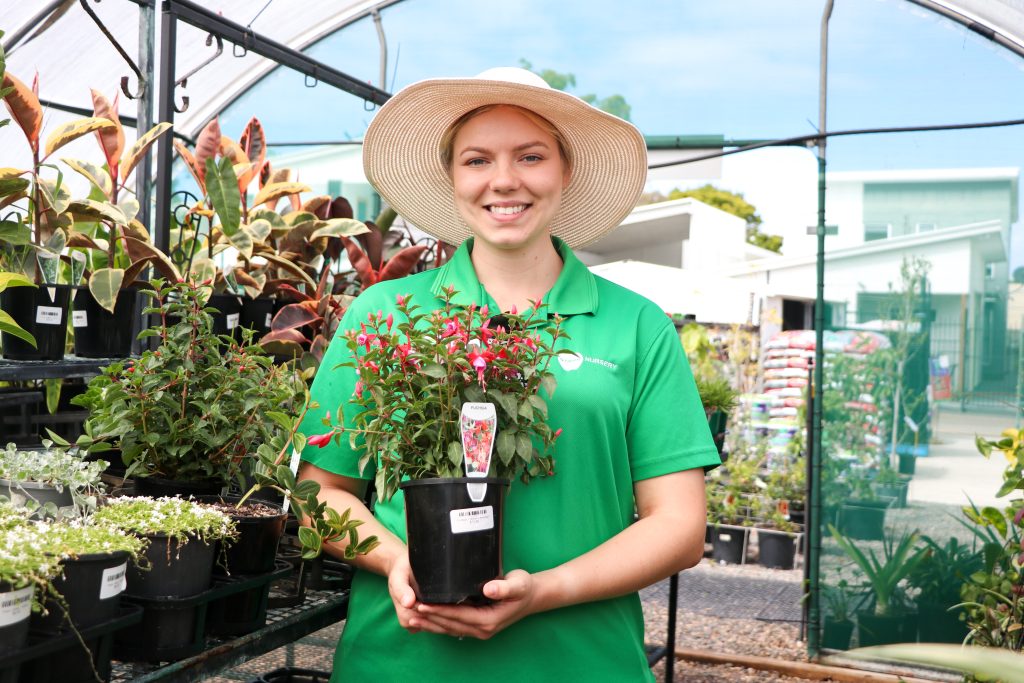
(168, 38)
(814, 528)
(144, 170)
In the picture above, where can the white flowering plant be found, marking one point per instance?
(26, 558)
(176, 518)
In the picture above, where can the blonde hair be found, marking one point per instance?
(447, 144)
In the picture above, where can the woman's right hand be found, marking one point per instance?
(400, 586)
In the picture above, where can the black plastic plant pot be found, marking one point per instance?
(43, 316)
(228, 313)
(238, 614)
(873, 629)
(88, 592)
(454, 543)
(908, 464)
(158, 487)
(291, 674)
(255, 549)
(836, 634)
(936, 624)
(727, 545)
(100, 333)
(20, 493)
(176, 569)
(776, 549)
(15, 610)
(863, 519)
(257, 314)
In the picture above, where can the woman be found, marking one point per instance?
(518, 173)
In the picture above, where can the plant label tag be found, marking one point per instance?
(232, 321)
(468, 520)
(479, 424)
(269, 319)
(724, 537)
(114, 581)
(15, 606)
(79, 319)
(48, 315)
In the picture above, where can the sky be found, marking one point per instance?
(745, 69)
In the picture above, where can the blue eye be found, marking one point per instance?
(475, 162)
(533, 158)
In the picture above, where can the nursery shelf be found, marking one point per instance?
(69, 366)
(284, 625)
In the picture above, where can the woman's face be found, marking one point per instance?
(508, 177)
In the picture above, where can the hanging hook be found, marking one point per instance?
(312, 83)
(124, 55)
(248, 38)
(183, 81)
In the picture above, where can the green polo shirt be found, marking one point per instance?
(629, 411)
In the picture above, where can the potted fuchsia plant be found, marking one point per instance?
(438, 393)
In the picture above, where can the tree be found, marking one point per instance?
(615, 105)
(734, 203)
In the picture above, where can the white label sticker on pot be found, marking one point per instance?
(468, 520)
(15, 606)
(79, 319)
(48, 315)
(269, 318)
(114, 581)
(232, 320)
(724, 537)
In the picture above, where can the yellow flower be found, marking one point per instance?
(1011, 452)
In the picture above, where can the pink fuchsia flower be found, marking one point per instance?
(390, 320)
(479, 359)
(320, 440)
(399, 299)
(358, 391)
(1018, 517)
(451, 327)
(513, 310)
(558, 433)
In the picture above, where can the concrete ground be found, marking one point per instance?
(954, 469)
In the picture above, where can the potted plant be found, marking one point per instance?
(889, 621)
(890, 484)
(51, 481)
(192, 410)
(939, 578)
(436, 394)
(719, 399)
(26, 568)
(837, 627)
(736, 486)
(183, 537)
(776, 536)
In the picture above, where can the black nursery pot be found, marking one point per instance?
(44, 318)
(257, 314)
(454, 543)
(17, 604)
(777, 550)
(176, 570)
(727, 545)
(90, 592)
(157, 487)
(100, 333)
(255, 549)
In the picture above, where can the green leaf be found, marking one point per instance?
(280, 419)
(73, 130)
(306, 488)
(92, 210)
(96, 175)
(8, 326)
(57, 198)
(983, 446)
(434, 370)
(104, 285)
(243, 242)
(548, 384)
(455, 453)
(53, 394)
(259, 230)
(987, 663)
(540, 404)
(340, 227)
(138, 150)
(222, 186)
(284, 476)
(526, 410)
(506, 401)
(524, 447)
(9, 186)
(311, 540)
(506, 444)
(15, 233)
(14, 280)
(996, 518)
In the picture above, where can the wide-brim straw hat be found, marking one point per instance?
(402, 155)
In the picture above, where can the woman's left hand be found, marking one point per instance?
(513, 598)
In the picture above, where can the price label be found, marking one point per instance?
(267, 323)
(232, 320)
(113, 582)
(49, 315)
(468, 520)
(15, 606)
(79, 319)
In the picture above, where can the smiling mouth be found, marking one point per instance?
(508, 210)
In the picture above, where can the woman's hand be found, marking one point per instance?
(514, 596)
(400, 586)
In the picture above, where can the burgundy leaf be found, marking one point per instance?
(402, 263)
(360, 263)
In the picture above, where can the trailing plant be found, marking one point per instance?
(414, 374)
(194, 407)
(58, 468)
(25, 557)
(943, 571)
(75, 538)
(899, 558)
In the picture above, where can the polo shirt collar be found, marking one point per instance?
(574, 292)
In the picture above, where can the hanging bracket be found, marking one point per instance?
(124, 55)
(183, 81)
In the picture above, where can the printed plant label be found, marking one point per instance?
(79, 319)
(468, 520)
(114, 581)
(268, 320)
(232, 320)
(15, 606)
(48, 315)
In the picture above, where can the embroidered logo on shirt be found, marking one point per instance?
(574, 361)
